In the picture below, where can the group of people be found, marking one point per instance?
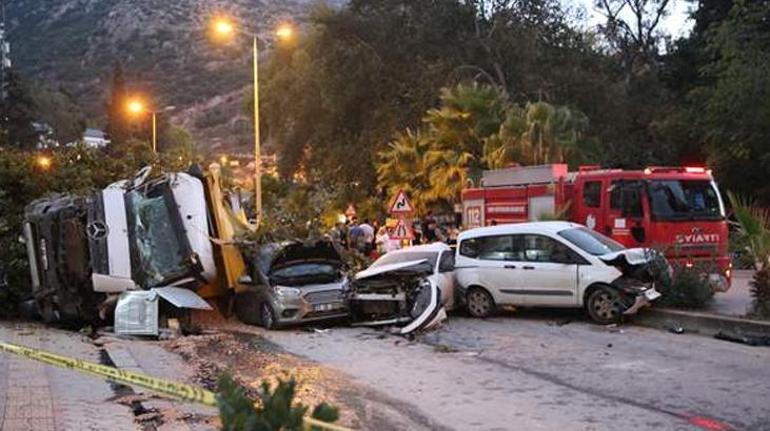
(372, 239)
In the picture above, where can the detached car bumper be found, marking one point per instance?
(642, 300)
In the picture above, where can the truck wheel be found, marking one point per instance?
(267, 316)
(480, 302)
(246, 307)
(604, 306)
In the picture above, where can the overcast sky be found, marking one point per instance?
(676, 24)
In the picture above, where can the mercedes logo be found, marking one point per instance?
(97, 230)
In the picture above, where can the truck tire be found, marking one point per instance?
(246, 307)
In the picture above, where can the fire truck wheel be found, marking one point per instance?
(604, 306)
(480, 302)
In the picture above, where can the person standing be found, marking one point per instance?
(368, 236)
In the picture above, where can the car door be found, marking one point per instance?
(549, 273)
(494, 264)
(445, 278)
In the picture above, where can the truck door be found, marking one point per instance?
(625, 215)
(590, 204)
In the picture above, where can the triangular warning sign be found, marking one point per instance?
(403, 231)
(401, 205)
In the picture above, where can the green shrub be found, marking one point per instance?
(689, 288)
(275, 411)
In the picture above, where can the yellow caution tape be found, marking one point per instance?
(166, 387)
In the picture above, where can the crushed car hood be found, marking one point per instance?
(305, 251)
(642, 264)
(631, 256)
(416, 266)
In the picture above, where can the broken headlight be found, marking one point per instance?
(286, 292)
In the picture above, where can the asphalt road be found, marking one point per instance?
(545, 371)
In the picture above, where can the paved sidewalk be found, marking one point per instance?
(39, 397)
(736, 301)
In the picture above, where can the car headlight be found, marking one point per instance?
(287, 292)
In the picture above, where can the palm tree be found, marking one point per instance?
(402, 166)
(755, 227)
(469, 114)
(538, 133)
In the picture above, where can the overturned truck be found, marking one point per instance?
(89, 253)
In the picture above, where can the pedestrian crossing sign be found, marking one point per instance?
(401, 204)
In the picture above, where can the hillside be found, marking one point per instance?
(163, 46)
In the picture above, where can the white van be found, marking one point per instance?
(554, 264)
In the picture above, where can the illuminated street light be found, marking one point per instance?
(223, 160)
(226, 28)
(44, 162)
(136, 107)
(285, 31)
(223, 27)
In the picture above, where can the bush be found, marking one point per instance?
(689, 288)
(760, 293)
(275, 410)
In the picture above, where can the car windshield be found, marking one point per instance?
(591, 242)
(310, 272)
(407, 256)
(685, 200)
(160, 252)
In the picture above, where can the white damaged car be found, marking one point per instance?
(555, 264)
(411, 289)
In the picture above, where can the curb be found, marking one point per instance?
(701, 323)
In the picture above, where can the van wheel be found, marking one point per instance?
(604, 306)
(267, 316)
(480, 302)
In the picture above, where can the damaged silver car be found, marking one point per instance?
(292, 283)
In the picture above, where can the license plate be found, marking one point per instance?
(651, 294)
(327, 307)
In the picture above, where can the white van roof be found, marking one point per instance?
(550, 227)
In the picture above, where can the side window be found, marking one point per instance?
(501, 247)
(470, 248)
(626, 196)
(447, 262)
(592, 194)
(543, 249)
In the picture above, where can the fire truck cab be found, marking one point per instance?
(675, 209)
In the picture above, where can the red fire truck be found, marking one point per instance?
(676, 209)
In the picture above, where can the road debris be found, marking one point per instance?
(750, 340)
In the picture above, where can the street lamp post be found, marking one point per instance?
(226, 28)
(137, 107)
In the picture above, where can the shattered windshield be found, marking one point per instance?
(160, 253)
(685, 200)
